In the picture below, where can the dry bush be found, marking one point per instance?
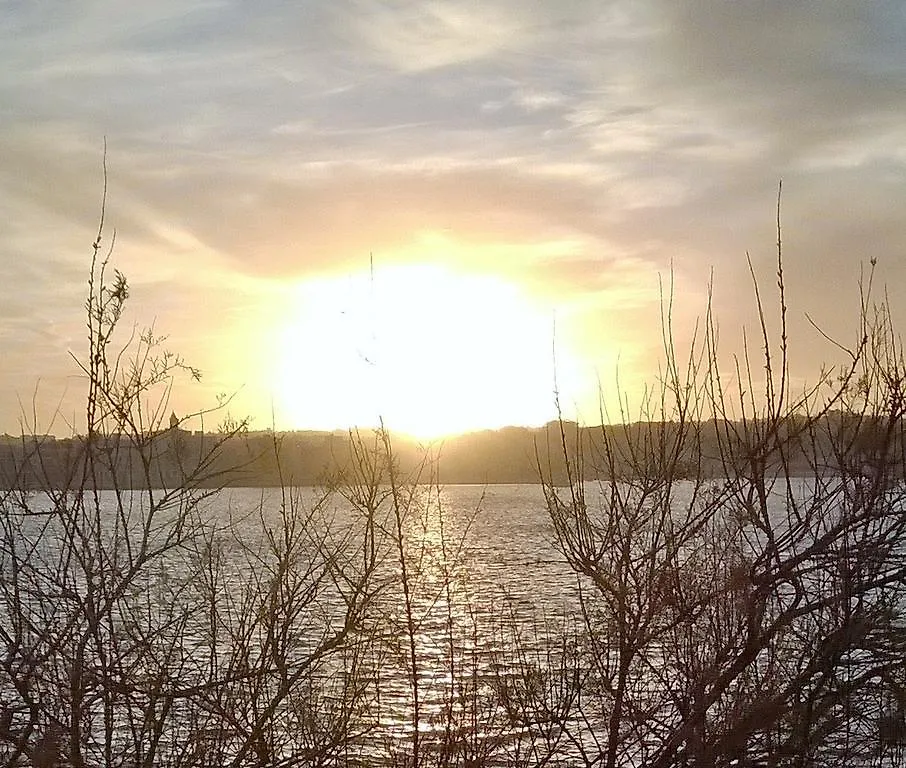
(742, 561)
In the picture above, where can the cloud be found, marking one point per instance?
(434, 34)
(584, 148)
(800, 74)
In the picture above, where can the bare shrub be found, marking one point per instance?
(143, 625)
(742, 559)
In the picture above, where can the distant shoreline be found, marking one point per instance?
(507, 456)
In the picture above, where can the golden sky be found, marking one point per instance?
(433, 211)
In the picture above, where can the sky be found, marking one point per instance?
(440, 213)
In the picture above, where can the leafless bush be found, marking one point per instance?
(742, 560)
(142, 625)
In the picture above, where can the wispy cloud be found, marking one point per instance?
(575, 146)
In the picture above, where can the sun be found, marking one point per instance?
(423, 349)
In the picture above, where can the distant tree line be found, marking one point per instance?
(509, 455)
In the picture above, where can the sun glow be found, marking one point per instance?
(426, 350)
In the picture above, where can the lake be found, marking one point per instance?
(373, 626)
(191, 629)
(491, 601)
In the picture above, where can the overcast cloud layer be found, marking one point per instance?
(583, 148)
